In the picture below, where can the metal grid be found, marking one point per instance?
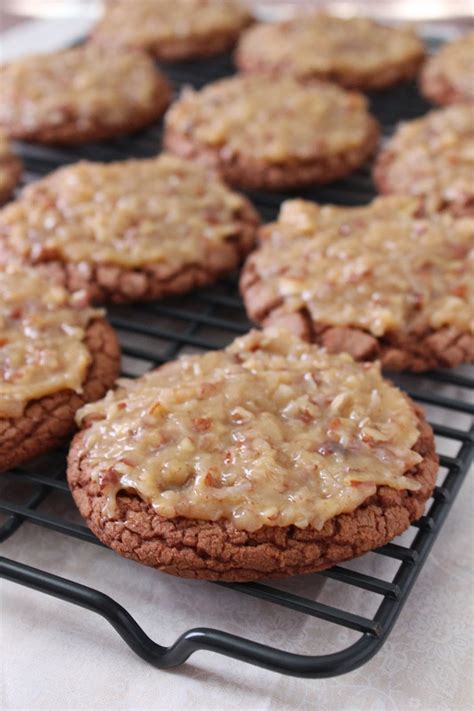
(154, 333)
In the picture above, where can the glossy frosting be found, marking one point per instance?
(271, 431)
(379, 268)
(130, 213)
(42, 330)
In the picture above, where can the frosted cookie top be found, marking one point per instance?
(87, 86)
(433, 157)
(318, 45)
(42, 331)
(272, 121)
(453, 65)
(271, 431)
(145, 23)
(131, 213)
(379, 268)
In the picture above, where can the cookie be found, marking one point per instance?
(10, 169)
(357, 53)
(432, 158)
(267, 459)
(380, 281)
(56, 354)
(447, 77)
(83, 94)
(272, 135)
(131, 230)
(172, 29)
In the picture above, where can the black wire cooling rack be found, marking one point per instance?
(154, 333)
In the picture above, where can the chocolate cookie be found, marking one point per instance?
(172, 29)
(380, 281)
(270, 458)
(272, 135)
(432, 158)
(10, 169)
(447, 77)
(131, 230)
(357, 52)
(55, 355)
(82, 94)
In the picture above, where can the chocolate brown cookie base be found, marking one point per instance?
(244, 171)
(461, 204)
(70, 132)
(47, 421)
(218, 551)
(116, 284)
(417, 350)
(12, 168)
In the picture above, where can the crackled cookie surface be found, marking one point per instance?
(379, 281)
(10, 168)
(48, 362)
(81, 94)
(272, 134)
(447, 77)
(172, 29)
(132, 229)
(433, 158)
(357, 52)
(270, 433)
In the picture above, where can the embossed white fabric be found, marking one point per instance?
(57, 656)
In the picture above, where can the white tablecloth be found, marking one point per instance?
(57, 656)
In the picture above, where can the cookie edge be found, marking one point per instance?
(13, 166)
(389, 75)
(52, 416)
(68, 134)
(178, 50)
(384, 186)
(241, 172)
(110, 283)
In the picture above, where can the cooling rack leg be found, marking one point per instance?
(88, 598)
(193, 640)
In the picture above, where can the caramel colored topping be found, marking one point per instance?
(144, 23)
(455, 63)
(130, 213)
(433, 157)
(379, 268)
(321, 45)
(87, 85)
(42, 328)
(272, 121)
(271, 431)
